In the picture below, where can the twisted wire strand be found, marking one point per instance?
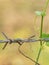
(26, 55)
(21, 41)
(24, 40)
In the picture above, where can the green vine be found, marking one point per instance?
(41, 28)
(40, 41)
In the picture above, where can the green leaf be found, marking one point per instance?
(44, 35)
(43, 13)
(40, 13)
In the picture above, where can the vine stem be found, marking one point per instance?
(42, 17)
(41, 29)
(45, 8)
(38, 55)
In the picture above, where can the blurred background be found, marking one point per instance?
(18, 20)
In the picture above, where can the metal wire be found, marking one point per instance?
(30, 39)
(21, 41)
(27, 56)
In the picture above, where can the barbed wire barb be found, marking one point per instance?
(18, 40)
(4, 35)
(21, 41)
(7, 39)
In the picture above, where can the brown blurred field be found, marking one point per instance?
(17, 19)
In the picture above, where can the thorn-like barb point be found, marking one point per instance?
(5, 45)
(31, 37)
(5, 35)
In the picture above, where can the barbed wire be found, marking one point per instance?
(30, 39)
(21, 41)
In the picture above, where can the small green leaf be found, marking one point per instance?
(43, 13)
(40, 13)
(44, 35)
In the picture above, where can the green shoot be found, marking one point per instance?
(42, 14)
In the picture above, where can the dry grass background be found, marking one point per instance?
(17, 20)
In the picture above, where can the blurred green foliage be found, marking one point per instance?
(44, 35)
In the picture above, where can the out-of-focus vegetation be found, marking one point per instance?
(17, 20)
(17, 14)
